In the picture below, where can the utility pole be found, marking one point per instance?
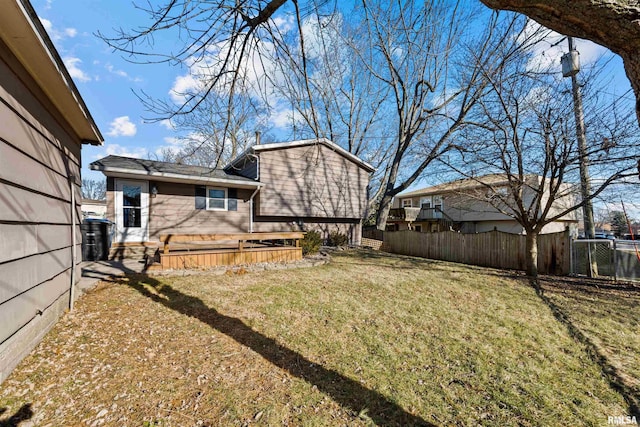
(570, 68)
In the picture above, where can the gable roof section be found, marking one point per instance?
(23, 33)
(458, 185)
(301, 143)
(129, 167)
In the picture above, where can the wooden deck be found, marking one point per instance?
(218, 257)
(193, 251)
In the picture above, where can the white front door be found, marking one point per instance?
(132, 211)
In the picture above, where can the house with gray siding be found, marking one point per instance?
(43, 125)
(282, 187)
(465, 205)
(308, 185)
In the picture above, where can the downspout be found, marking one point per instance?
(72, 181)
(257, 178)
(251, 209)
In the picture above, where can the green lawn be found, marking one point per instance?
(367, 339)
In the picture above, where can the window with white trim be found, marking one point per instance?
(216, 199)
(406, 203)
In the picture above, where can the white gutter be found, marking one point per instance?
(177, 177)
(251, 209)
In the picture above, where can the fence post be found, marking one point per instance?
(571, 260)
(615, 261)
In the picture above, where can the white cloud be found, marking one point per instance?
(55, 34)
(284, 23)
(121, 73)
(112, 70)
(548, 52)
(121, 150)
(47, 4)
(75, 72)
(46, 24)
(282, 116)
(167, 124)
(71, 32)
(183, 86)
(256, 72)
(174, 142)
(122, 126)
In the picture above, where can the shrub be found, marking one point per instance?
(337, 238)
(311, 243)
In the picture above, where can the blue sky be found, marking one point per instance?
(107, 82)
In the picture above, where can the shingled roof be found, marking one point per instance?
(129, 167)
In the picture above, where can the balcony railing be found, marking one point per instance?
(417, 214)
(404, 214)
(431, 213)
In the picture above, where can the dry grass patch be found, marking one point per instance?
(367, 339)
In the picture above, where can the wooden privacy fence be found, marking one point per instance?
(491, 249)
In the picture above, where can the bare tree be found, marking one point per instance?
(524, 135)
(350, 104)
(94, 189)
(431, 67)
(610, 23)
(206, 139)
(224, 44)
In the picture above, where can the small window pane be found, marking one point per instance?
(131, 195)
(216, 203)
(216, 194)
(131, 217)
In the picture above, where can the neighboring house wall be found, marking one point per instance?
(38, 154)
(93, 208)
(471, 208)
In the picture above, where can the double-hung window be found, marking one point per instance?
(216, 199)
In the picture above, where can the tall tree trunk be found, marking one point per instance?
(383, 211)
(532, 260)
(532, 254)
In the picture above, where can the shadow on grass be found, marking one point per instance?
(349, 393)
(610, 372)
(23, 414)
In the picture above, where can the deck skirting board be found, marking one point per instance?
(213, 258)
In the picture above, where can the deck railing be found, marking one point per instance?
(240, 238)
(411, 214)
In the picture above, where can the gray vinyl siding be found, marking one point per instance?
(351, 229)
(38, 153)
(311, 181)
(173, 211)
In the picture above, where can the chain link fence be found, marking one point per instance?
(617, 259)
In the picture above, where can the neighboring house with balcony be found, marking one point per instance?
(465, 206)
